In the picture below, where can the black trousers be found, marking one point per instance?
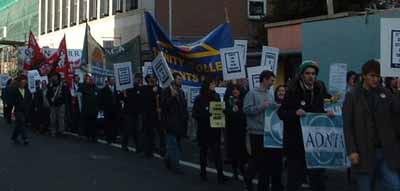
(297, 171)
(215, 151)
(112, 123)
(266, 163)
(20, 128)
(90, 123)
(7, 113)
(161, 134)
(131, 128)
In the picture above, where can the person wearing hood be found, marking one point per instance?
(304, 95)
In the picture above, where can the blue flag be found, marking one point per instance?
(194, 61)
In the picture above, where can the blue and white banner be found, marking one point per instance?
(323, 141)
(273, 128)
(194, 61)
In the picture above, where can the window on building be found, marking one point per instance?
(82, 11)
(74, 11)
(49, 15)
(104, 8)
(131, 4)
(57, 13)
(93, 9)
(42, 16)
(117, 6)
(64, 16)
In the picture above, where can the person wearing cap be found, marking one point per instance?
(372, 134)
(58, 95)
(304, 95)
(22, 100)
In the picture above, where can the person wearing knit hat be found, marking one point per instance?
(304, 95)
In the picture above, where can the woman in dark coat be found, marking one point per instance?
(236, 128)
(209, 139)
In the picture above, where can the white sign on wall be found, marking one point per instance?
(253, 75)
(233, 66)
(337, 78)
(390, 47)
(242, 44)
(269, 58)
(162, 71)
(123, 76)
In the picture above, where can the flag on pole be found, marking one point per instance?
(34, 57)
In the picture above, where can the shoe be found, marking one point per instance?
(203, 177)
(26, 142)
(167, 163)
(178, 172)
(15, 141)
(222, 179)
(124, 148)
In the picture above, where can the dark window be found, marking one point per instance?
(93, 9)
(256, 8)
(57, 13)
(43, 16)
(83, 11)
(74, 11)
(104, 8)
(49, 15)
(64, 13)
(117, 6)
(131, 4)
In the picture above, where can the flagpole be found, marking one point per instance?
(170, 18)
(226, 13)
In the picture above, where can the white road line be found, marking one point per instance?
(184, 163)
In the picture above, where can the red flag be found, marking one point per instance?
(34, 57)
(59, 62)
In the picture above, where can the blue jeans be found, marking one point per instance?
(388, 179)
(174, 150)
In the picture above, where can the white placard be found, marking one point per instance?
(221, 92)
(269, 58)
(390, 47)
(123, 76)
(253, 75)
(162, 71)
(147, 69)
(3, 80)
(33, 75)
(233, 66)
(242, 44)
(337, 78)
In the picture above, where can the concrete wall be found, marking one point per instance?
(351, 40)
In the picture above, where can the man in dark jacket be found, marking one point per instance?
(22, 99)
(151, 115)
(133, 109)
(372, 135)
(304, 95)
(175, 117)
(58, 95)
(89, 107)
(111, 106)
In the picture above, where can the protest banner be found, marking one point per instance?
(338, 79)
(273, 128)
(390, 47)
(269, 58)
(33, 75)
(3, 80)
(162, 71)
(253, 75)
(243, 45)
(195, 61)
(323, 141)
(217, 118)
(123, 76)
(233, 66)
